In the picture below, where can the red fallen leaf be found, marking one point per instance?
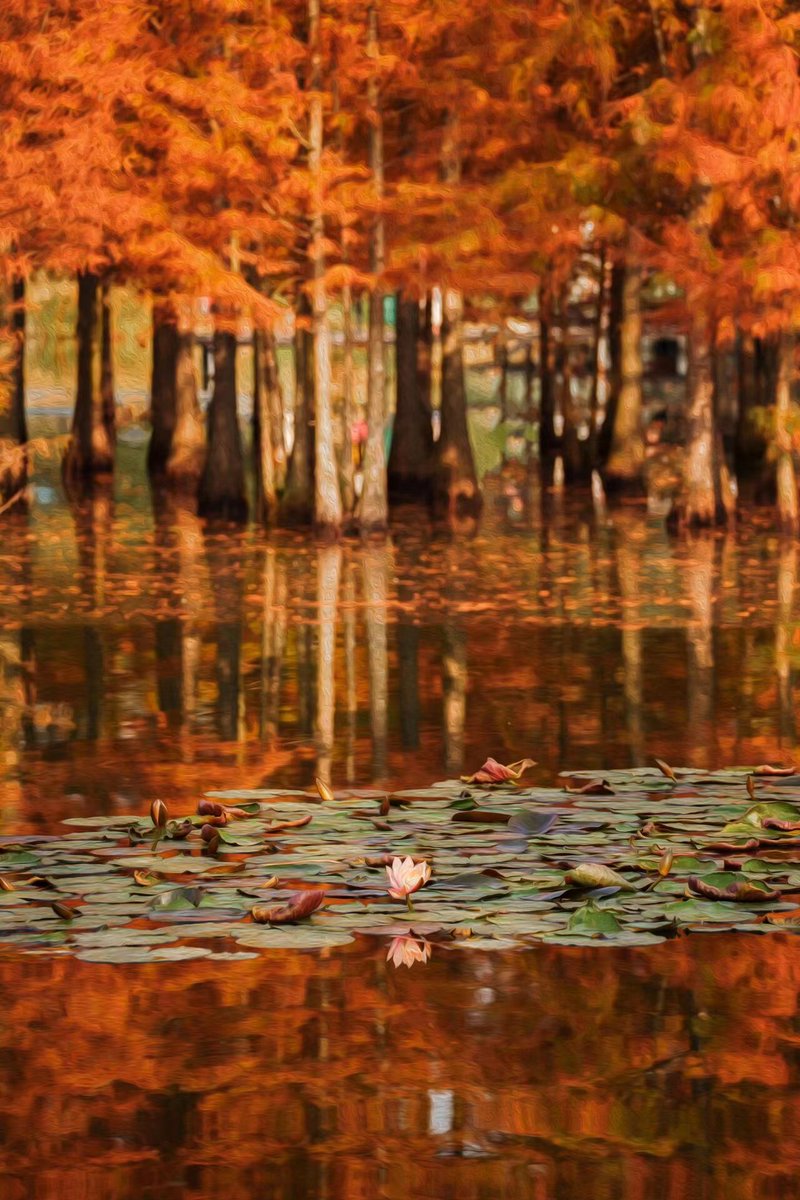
(731, 847)
(494, 772)
(210, 808)
(301, 905)
(595, 787)
(738, 892)
(777, 823)
(279, 826)
(766, 769)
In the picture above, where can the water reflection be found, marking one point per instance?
(144, 654)
(524, 1076)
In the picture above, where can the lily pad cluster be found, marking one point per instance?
(629, 858)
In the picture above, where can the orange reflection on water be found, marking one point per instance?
(617, 1074)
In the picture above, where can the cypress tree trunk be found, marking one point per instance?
(108, 401)
(222, 491)
(264, 380)
(184, 465)
(13, 426)
(347, 471)
(785, 478)
(297, 501)
(702, 500)
(625, 464)
(548, 442)
(456, 482)
(91, 449)
(327, 498)
(615, 291)
(411, 455)
(750, 445)
(163, 394)
(373, 509)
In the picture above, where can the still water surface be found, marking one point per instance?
(143, 655)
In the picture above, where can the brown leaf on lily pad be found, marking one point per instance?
(279, 826)
(746, 891)
(494, 772)
(595, 787)
(777, 823)
(666, 769)
(766, 769)
(301, 905)
(592, 875)
(145, 879)
(731, 847)
(61, 910)
(6, 885)
(481, 816)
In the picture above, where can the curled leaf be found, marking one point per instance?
(323, 789)
(777, 823)
(666, 769)
(279, 826)
(592, 875)
(595, 787)
(159, 814)
(494, 772)
(766, 769)
(61, 910)
(301, 905)
(144, 878)
(6, 885)
(665, 865)
(739, 892)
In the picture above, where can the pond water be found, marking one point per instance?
(142, 655)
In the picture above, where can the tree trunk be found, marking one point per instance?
(786, 481)
(108, 400)
(13, 426)
(750, 445)
(222, 491)
(184, 465)
(327, 498)
(456, 484)
(264, 381)
(346, 464)
(373, 509)
(411, 455)
(163, 396)
(702, 500)
(91, 448)
(297, 501)
(623, 470)
(548, 442)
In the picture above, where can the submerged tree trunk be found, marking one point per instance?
(13, 426)
(184, 465)
(456, 483)
(703, 499)
(222, 492)
(163, 398)
(625, 464)
(411, 456)
(91, 446)
(329, 568)
(264, 380)
(785, 478)
(373, 509)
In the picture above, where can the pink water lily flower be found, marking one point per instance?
(406, 877)
(405, 951)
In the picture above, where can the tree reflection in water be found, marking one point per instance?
(664, 1072)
